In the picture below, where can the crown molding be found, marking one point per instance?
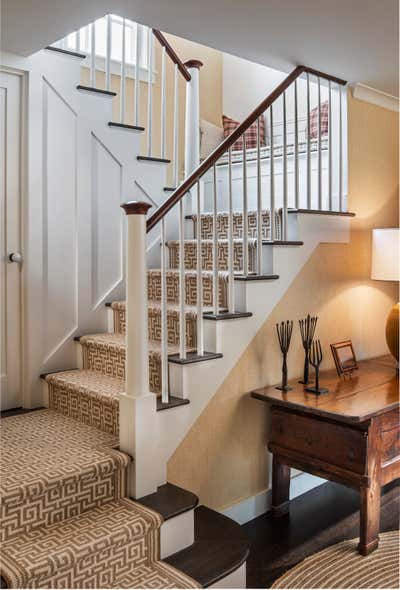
(377, 97)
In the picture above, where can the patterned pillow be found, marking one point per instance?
(250, 135)
(314, 120)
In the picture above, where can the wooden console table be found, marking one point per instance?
(349, 435)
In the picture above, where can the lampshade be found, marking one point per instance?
(385, 254)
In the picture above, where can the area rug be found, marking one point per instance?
(341, 566)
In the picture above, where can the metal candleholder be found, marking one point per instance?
(307, 330)
(315, 360)
(284, 331)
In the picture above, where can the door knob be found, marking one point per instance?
(15, 257)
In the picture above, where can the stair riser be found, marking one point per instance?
(154, 324)
(75, 496)
(110, 361)
(207, 226)
(154, 289)
(207, 256)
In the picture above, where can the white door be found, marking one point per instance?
(10, 236)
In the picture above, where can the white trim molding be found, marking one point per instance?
(259, 504)
(377, 97)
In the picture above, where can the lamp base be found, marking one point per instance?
(392, 331)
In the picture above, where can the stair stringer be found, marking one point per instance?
(68, 136)
(201, 381)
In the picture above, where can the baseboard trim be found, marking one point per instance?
(259, 504)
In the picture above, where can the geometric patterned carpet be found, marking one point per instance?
(65, 520)
(341, 566)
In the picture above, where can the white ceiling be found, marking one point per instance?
(353, 39)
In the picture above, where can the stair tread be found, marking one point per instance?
(225, 213)
(89, 382)
(157, 575)
(43, 448)
(172, 307)
(118, 341)
(189, 272)
(250, 241)
(170, 500)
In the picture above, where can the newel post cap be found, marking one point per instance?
(136, 207)
(194, 63)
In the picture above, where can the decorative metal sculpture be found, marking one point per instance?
(315, 360)
(307, 330)
(284, 331)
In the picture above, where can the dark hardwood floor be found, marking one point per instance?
(324, 516)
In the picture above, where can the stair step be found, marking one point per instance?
(220, 548)
(96, 90)
(125, 126)
(66, 52)
(322, 212)
(114, 543)
(207, 224)
(172, 278)
(169, 189)
(190, 251)
(54, 467)
(153, 159)
(87, 396)
(170, 500)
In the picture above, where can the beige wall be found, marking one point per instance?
(210, 94)
(223, 458)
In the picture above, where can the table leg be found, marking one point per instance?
(280, 487)
(369, 518)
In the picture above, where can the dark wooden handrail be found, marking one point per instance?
(172, 54)
(230, 140)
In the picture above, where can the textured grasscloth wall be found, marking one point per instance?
(210, 93)
(223, 458)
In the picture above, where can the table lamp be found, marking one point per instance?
(385, 267)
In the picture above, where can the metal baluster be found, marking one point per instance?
(284, 171)
(108, 52)
(163, 101)
(150, 93)
(340, 151)
(330, 207)
(93, 55)
(164, 327)
(308, 145)
(259, 202)
(138, 57)
(296, 148)
(182, 316)
(319, 148)
(272, 176)
(245, 212)
(176, 127)
(200, 325)
(231, 292)
(123, 79)
(215, 243)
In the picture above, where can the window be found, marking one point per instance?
(81, 41)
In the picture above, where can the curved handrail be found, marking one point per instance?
(231, 139)
(172, 54)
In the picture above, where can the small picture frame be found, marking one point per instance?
(344, 357)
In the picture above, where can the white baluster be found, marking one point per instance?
(93, 55)
(176, 128)
(319, 147)
(259, 202)
(138, 56)
(200, 324)
(245, 211)
(272, 176)
(123, 78)
(330, 207)
(78, 40)
(163, 100)
(308, 144)
(108, 51)
(192, 117)
(150, 93)
(164, 329)
(215, 243)
(182, 316)
(284, 172)
(340, 150)
(231, 290)
(296, 147)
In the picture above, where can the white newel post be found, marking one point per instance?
(137, 407)
(192, 118)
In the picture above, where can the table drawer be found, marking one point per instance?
(336, 444)
(390, 420)
(390, 444)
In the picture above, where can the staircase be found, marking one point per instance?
(150, 345)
